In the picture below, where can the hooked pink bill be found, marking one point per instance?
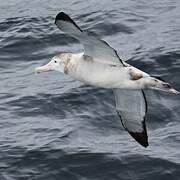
(44, 68)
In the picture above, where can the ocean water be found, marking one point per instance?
(55, 128)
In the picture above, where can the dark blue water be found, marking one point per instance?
(55, 128)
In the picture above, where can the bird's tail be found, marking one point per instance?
(164, 86)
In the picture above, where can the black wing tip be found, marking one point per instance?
(64, 17)
(141, 138)
(61, 16)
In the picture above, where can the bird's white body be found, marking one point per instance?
(103, 75)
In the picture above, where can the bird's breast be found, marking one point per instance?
(100, 75)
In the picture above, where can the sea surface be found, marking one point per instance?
(55, 128)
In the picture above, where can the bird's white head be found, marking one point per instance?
(58, 63)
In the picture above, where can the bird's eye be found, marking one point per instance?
(55, 61)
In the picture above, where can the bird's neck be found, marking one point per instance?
(71, 65)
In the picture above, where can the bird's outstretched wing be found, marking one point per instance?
(130, 104)
(93, 46)
(132, 107)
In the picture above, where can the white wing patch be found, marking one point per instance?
(131, 107)
(93, 46)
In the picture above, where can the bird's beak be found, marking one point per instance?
(44, 68)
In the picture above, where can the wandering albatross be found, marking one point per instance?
(99, 65)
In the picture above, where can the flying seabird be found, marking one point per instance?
(99, 65)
